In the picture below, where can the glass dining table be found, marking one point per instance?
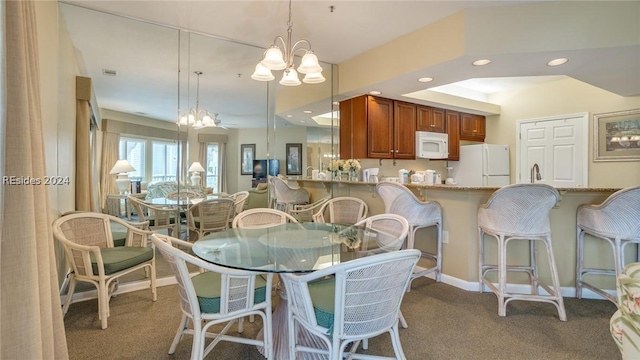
(291, 248)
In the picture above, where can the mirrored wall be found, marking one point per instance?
(144, 76)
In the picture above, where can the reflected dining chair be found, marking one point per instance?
(208, 216)
(304, 212)
(261, 217)
(617, 222)
(349, 302)
(342, 210)
(398, 199)
(159, 217)
(519, 212)
(287, 196)
(216, 295)
(87, 240)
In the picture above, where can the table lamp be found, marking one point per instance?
(122, 167)
(195, 170)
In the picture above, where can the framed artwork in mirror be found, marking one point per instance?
(247, 154)
(294, 159)
(616, 136)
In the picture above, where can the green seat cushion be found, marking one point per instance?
(119, 237)
(322, 294)
(152, 221)
(120, 258)
(207, 287)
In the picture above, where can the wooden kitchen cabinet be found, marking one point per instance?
(404, 130)
(453, 129)
(353, 128)
(472, 127)
(430, 119)
(377, 128)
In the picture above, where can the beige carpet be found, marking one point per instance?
(444, 323)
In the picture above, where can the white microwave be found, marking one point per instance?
(432, 145)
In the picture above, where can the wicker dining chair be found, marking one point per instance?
(349, 302)
(159, 217)
(208, 216)
(617, 222)
(87, 240)
(342, 210)
(261, 217)
(217, 295)
(398, 199)
(519, 212)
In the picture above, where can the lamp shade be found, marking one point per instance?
(196, 167)
(121, 166)
(309, 64)
(290, 78)
(262, 73)
(273, 59)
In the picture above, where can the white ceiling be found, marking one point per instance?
(145, 55)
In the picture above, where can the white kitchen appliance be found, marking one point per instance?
(482, 165)
(370, 175)
(432, 145)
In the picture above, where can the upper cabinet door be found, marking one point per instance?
(380, 128)
(430, 119)
(453, 129)
(472, 127)
(404, 130)
(353, 128)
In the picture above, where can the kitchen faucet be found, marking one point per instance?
(535, 170)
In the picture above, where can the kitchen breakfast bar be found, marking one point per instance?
(460, 233)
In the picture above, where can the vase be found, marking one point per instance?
(353, 175)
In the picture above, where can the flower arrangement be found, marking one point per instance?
(336, 165)
(351, 165)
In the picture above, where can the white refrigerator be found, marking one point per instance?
(482, 165)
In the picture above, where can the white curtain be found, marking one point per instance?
(31, 325)
(222, 172)
(110, 154)
(204, 161)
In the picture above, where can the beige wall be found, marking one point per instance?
(565, 96)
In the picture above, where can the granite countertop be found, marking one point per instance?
(458, 187)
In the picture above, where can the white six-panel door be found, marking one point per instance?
(558, 145)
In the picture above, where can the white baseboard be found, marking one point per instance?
(518, 288)
(447, 279)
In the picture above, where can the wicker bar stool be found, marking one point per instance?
(519, 212)
(617, 222)
(398, 199)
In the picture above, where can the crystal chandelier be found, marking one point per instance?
(274, 59)
(198, 118)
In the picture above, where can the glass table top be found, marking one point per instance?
(295, 248)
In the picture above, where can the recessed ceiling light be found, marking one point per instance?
(556, 62)
(375, 92)
(289, 116)
(302, 121)
(336, 103)
(307, 111)
(425, 79)
(481, 62)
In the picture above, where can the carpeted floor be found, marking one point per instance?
(444, 323)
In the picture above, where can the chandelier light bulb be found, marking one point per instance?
(262, 73)
(313, 78)
(290, 78)
(309, 64)
(273, 59)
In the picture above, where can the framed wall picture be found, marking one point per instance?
(294, 159)
(616, 136)
(247, 154)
